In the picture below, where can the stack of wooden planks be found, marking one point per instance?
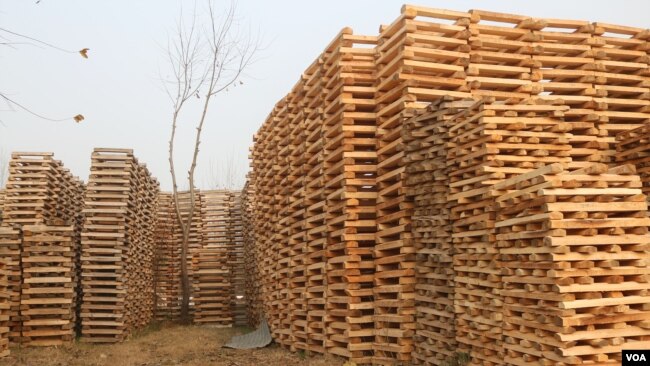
(117, 247)
(252, 257)
(558, 91)
(211, 287)
(350, 169)
(10, 250)
(216, 257)
(633, 147)
(168, 271)
(489, 142)
(40, 191)
(48, 302)
(426, 141)
(5, 306)
(236, 258)
(574, 251)
(212, 291)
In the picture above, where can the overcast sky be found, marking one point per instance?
(118, 89)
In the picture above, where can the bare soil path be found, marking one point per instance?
(165, 345)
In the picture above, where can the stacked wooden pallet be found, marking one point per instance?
(252, 257)
(574, 256)
(622, 77)
(40, 191)
(591, 79)
(212, 283)
(420, 58)
(49, 289)
(10, 249)
(167, 261)
(141, 224)
(117, 247)
(211, 287)
(489, 142)
(349, 171)
(5, 306)
(309, 240)
(517, 56)
(292, 224)
(633, 147)
(426, 141)
(236, 259)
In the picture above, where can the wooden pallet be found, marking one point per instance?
(10, 250)
(426, 141)
(252, 257)
(350, 169)
(48, 301)
(633, 147)
(40, 191)
(564, 87)
(167, 275)
(117, 247)
(573, 250)
(489, 142)
(212, 287)
(5, 306)
(236, 259)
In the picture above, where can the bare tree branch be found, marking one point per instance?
(204, 63)
(12, 102)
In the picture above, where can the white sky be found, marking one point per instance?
(118, 89)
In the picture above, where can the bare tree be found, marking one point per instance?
(223, 174)
(11, 39)
(205, 61)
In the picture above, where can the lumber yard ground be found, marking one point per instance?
(165, 344)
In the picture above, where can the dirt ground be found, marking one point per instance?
(165, 345)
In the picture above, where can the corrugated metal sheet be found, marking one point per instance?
(259, 338)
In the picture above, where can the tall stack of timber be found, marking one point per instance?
(10, 249)
(252, 257)
(211, 289)
(117, 247)
(168, 272)
(292, 220)
(489, 142)
(633, 147)
(420, 58)
(426, 141)
(514, 57)
(266, 186)
(574, 251)
(350, 166)
(40, 191)
(622, 77)
(141, 225)
(49, 290)
(551, 77)
(309, 232)
(4, 307)
(236, 259)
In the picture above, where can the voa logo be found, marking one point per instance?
(636, 357)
